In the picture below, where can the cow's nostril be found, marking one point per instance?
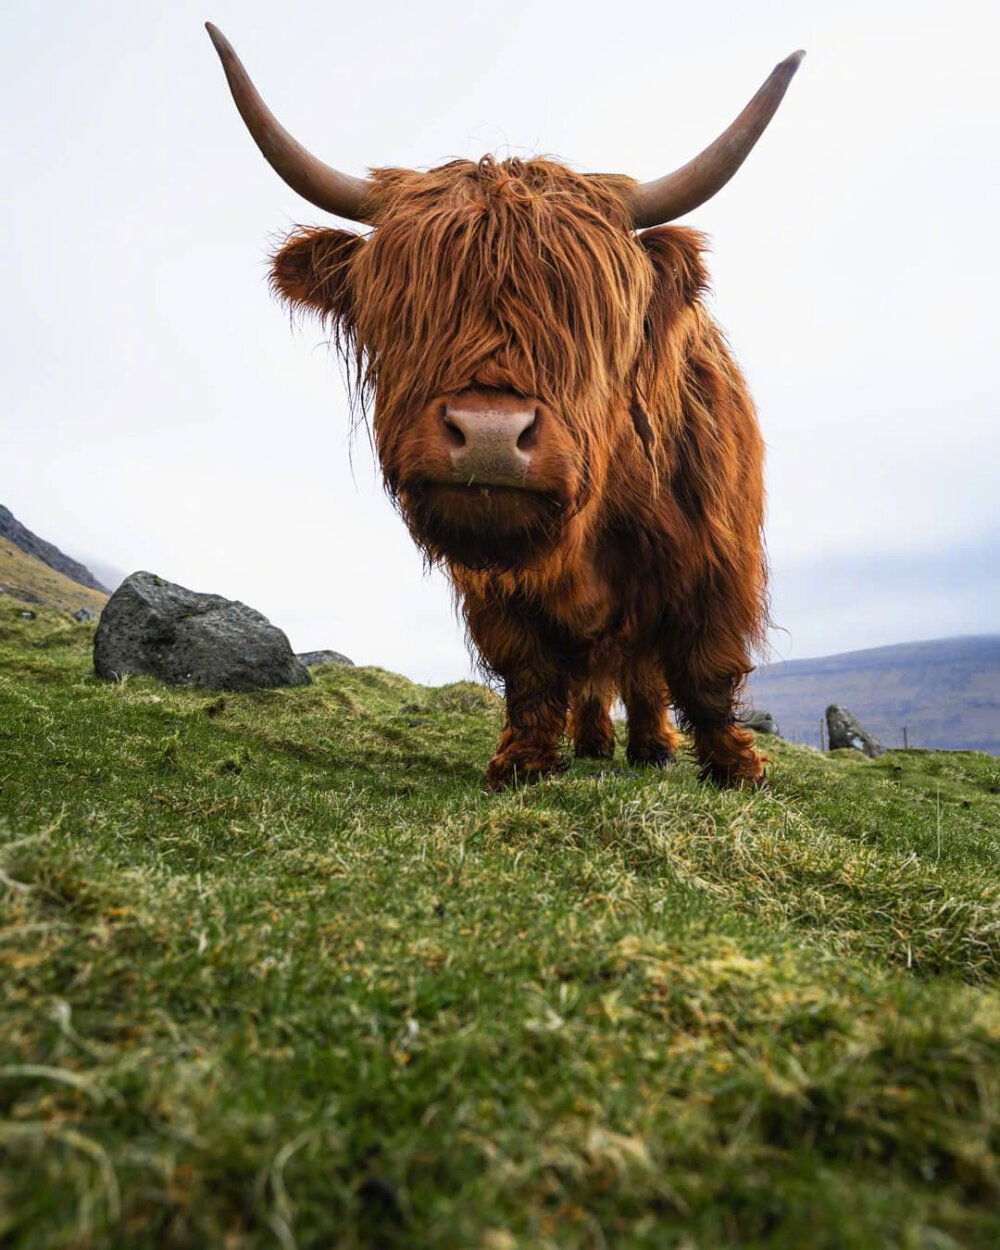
(452, 433)
(528, 437)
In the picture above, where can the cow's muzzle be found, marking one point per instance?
(491, 439)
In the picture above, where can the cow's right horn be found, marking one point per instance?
(654, 203)
(315, 181)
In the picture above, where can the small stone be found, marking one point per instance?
(761, 722)
(843, 731)
(311, 658)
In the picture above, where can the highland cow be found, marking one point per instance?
(561, 425)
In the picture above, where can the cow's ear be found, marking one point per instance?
(312, 271)
(679, 274)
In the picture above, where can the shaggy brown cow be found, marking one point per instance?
(561, 425)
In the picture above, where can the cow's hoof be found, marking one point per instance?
(653, 756)
(742, 775)
(594, 749)
(510, 774)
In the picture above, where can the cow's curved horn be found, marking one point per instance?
(666, 198)
(315, 181)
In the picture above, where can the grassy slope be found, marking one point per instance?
(274, 972)
(23, 574)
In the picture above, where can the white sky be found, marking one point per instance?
(160, 413)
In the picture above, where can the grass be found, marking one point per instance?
(274, 972)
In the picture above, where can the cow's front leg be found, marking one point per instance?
(538, 665)
(529, 747)
(707, 701)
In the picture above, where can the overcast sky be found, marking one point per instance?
(159, 411)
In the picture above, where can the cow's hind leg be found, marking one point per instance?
(652, 737)
(590, 724)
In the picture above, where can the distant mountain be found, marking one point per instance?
(945, 693)
(12, 529)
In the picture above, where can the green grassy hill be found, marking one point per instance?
(25, 577)
(275, 972)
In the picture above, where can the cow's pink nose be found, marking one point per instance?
(491, 443)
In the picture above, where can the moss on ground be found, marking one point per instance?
(274, 971)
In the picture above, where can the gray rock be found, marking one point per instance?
(184, 638)
(312, 658)
(761, 722)
(844, 731)
(85, 614)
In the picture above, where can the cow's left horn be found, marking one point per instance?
(656, 202)
(315, 181)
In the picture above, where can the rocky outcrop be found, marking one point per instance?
(12, 529)
(844, 731)
(184, 638)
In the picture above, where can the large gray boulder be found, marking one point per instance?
(844, 731)
(184, 638)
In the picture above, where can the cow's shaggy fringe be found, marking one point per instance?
(527, 276)
(521, 268)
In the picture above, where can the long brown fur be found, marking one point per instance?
(642, 572)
